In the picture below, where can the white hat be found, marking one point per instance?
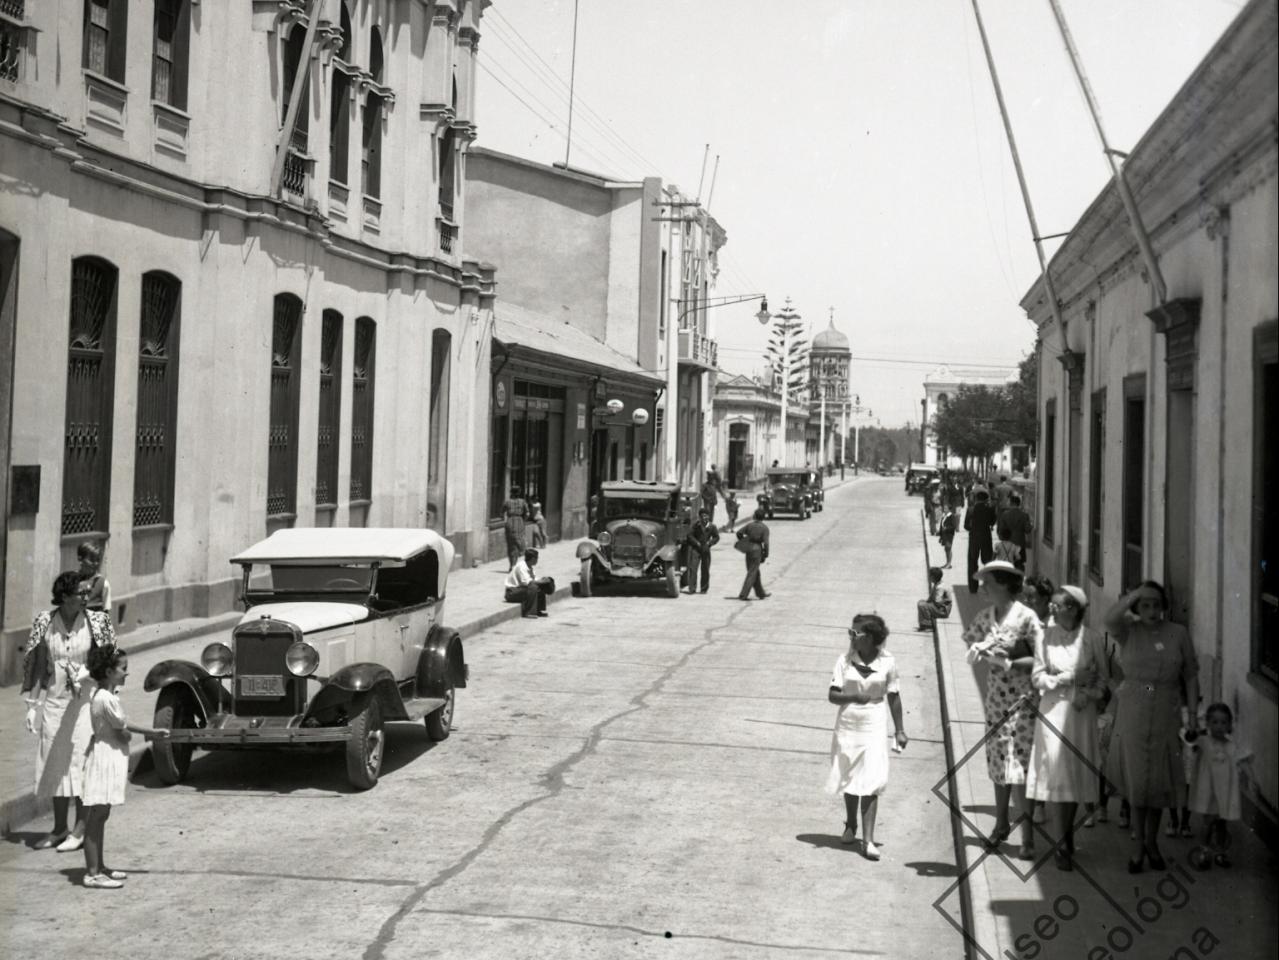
(1075, 594)
(996, 565)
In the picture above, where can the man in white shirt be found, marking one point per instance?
(527, 589)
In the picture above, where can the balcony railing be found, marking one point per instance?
(698, 350)
(12, 39)
(297, 167)
(448, 234)
(13, 8)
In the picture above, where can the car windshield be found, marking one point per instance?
(794, 478)
(278, 578)
(633, 508)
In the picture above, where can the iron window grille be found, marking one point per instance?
(362, 393)
(282, 433)
(326, 468)
(155, 453)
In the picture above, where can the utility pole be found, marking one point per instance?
(572, 82)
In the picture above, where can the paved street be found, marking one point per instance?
(635, 776)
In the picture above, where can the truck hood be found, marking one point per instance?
(644, 527)
(309, 616)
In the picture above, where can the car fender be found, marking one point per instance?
(210, 696)
(358, 680)
(442, 662)
(587, 549)
(667, 552)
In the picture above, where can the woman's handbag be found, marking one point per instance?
(742, 545)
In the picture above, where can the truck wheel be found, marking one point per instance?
(364, 749)
(672, 579)
(439, 723)
(173, 711)
(584, 578)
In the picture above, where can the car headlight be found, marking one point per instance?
(301, 658)
(605, 538)
(217, 659)
(650, 539)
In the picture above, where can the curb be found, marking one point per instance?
(212, 625)
(967, 873)
(27, 806)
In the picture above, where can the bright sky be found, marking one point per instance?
(863, 165)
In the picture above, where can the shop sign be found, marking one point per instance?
(581, 416)
(499, 394)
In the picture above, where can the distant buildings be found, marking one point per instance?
(829, 393)
(1158, 420)
(204, 337)
(940, 387)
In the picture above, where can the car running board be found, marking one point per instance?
(419, 707)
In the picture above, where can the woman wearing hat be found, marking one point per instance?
(1144, 763)
(1004, 636)
(1068, 668)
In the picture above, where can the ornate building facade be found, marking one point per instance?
(830, 393)
(232, 299)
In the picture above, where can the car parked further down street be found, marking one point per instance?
(342, 632)
(787, 490)
(637, 535)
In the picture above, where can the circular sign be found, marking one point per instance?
(500, 394)
(639, 416)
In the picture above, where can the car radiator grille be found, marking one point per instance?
(628, 547)
(262, 655)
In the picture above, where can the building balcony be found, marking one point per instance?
(696, 350)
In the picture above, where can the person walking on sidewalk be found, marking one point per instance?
(731, 506)
(1068, 673)
(701, 537)
(1014, 527)
(525, 587)
(514, 514)
(53, 665)
(946, 533)
(1158, 661)
(752, 540)
(865, 677)
(106, 769)
(1004, 636)
(710, 493)
(978, 522)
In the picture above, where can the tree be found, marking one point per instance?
(786, 337)
(1023, 401)
(974, 424)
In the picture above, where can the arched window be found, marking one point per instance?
(282, 434)
(293, 49)
(371, 141)
(86, 462)
(362, 410)
(169, 52)
(155, 459)
(326, 467)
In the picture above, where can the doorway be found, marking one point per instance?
(1179, 509)
(738, 440)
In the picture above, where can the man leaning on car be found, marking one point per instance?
(526, 589)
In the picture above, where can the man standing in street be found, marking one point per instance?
(710, 493)
(1014, 526)
(752, 540)
(978, 521)
(701, 537)
(1003, 490)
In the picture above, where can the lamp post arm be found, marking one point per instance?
(712, 302)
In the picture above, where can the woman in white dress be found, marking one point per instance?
(865, 677)
(56, 690)
(1064, 757)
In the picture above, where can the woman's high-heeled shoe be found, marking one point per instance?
(999, 835)
(1135, 864)
(1155, 860)
(1063, 860)
(50, 841)
(70, 844)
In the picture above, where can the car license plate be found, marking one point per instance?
(258, 686)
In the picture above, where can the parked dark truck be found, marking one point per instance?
(787, 490)
(638, 532)
(342, 632)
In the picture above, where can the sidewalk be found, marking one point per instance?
(1178, 912)
(474, 603)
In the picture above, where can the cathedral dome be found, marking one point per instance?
(830, 339)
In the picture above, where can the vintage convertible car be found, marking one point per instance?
(639, 529)
(342, 631)
(787, 490)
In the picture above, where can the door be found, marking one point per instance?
(1179, 507)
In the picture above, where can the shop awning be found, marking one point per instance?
(528, 333)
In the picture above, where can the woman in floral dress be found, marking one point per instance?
(53, 665)
(1158, 662)
(514, 513)
(1004, 636)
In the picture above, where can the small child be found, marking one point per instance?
(538, 523)
(946, 532)
(938, 604)
(1214, 792)
(731, 505)
(106, 769)
(90, 558)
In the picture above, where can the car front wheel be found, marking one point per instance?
(173, 711)
(584, 578)
(367, 744)
(439, 723)
(672, 579)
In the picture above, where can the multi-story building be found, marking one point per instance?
(940, 387)
(829, 394)
(234, 297)
(748, 430)
(1159, 409)
(601, 324)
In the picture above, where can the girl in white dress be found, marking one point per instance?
(864, 678)
(106, 770)
(1064, 757)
